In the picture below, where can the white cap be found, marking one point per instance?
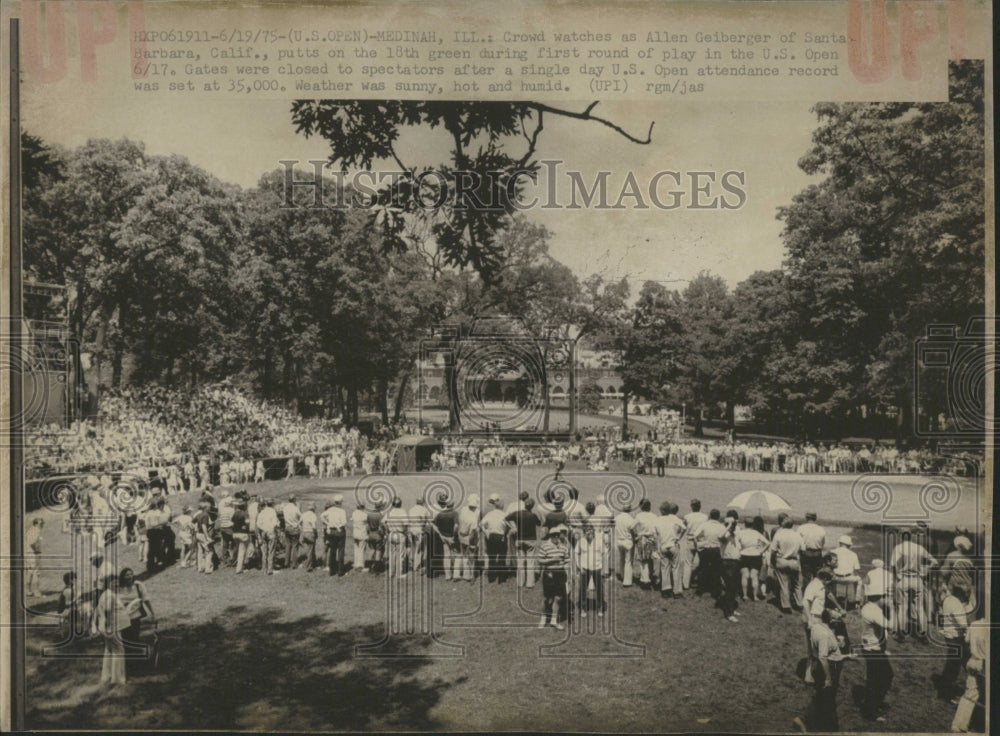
(337, 499)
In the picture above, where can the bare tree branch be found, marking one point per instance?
(587, 115)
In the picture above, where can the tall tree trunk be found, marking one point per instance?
(404, 381)
(731, 415)
(382, 387)
(698, 429)
(352, 405)
(624, 413)
(99, 344)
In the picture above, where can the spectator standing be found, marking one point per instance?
(307, 535)
(813, 544)
(625, 544)
(334, 523)
(359, 534)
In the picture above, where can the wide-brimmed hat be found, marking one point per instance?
(846, 541)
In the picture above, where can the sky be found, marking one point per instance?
(238, 140)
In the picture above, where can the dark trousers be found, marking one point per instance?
(585, 577)
(496, 554)
(731, 580)
(554, 590)
(307, 543)
(810, 561)
(336, 545)
(130, 520)
(954, 656)
(291, 548)
(878, 680)
(660, 462)
(710, 571)
(822, 713)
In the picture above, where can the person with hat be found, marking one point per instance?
(846, 569)
(813, 544)
(445, 529)
(468, 539)
(308, 523)
(553, 558)
(625, 544)
(334, 523)
(954, 627)
(875, 628)
(494, 529)
(359, 535)
(957, 569)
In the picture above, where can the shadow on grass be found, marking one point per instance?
(244, 670)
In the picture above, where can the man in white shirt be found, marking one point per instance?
(878, 670)
(292, 516)
(910, 563)
(669, 533)
(786, 545)
(625, 544)
(645, 536)
(334, 523)
(494, 528)
(847, 569)
(813, 604)
(267, 526)
(813, 544)
(359, 534)
(591, 559)
(689, 551)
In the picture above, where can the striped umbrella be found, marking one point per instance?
(759, 501)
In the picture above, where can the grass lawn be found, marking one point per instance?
(281, 652)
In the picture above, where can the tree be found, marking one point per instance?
(474, 195)
(890, 241)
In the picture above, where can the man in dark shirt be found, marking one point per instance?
(556, 517)
(445, 526)
(525, 534)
